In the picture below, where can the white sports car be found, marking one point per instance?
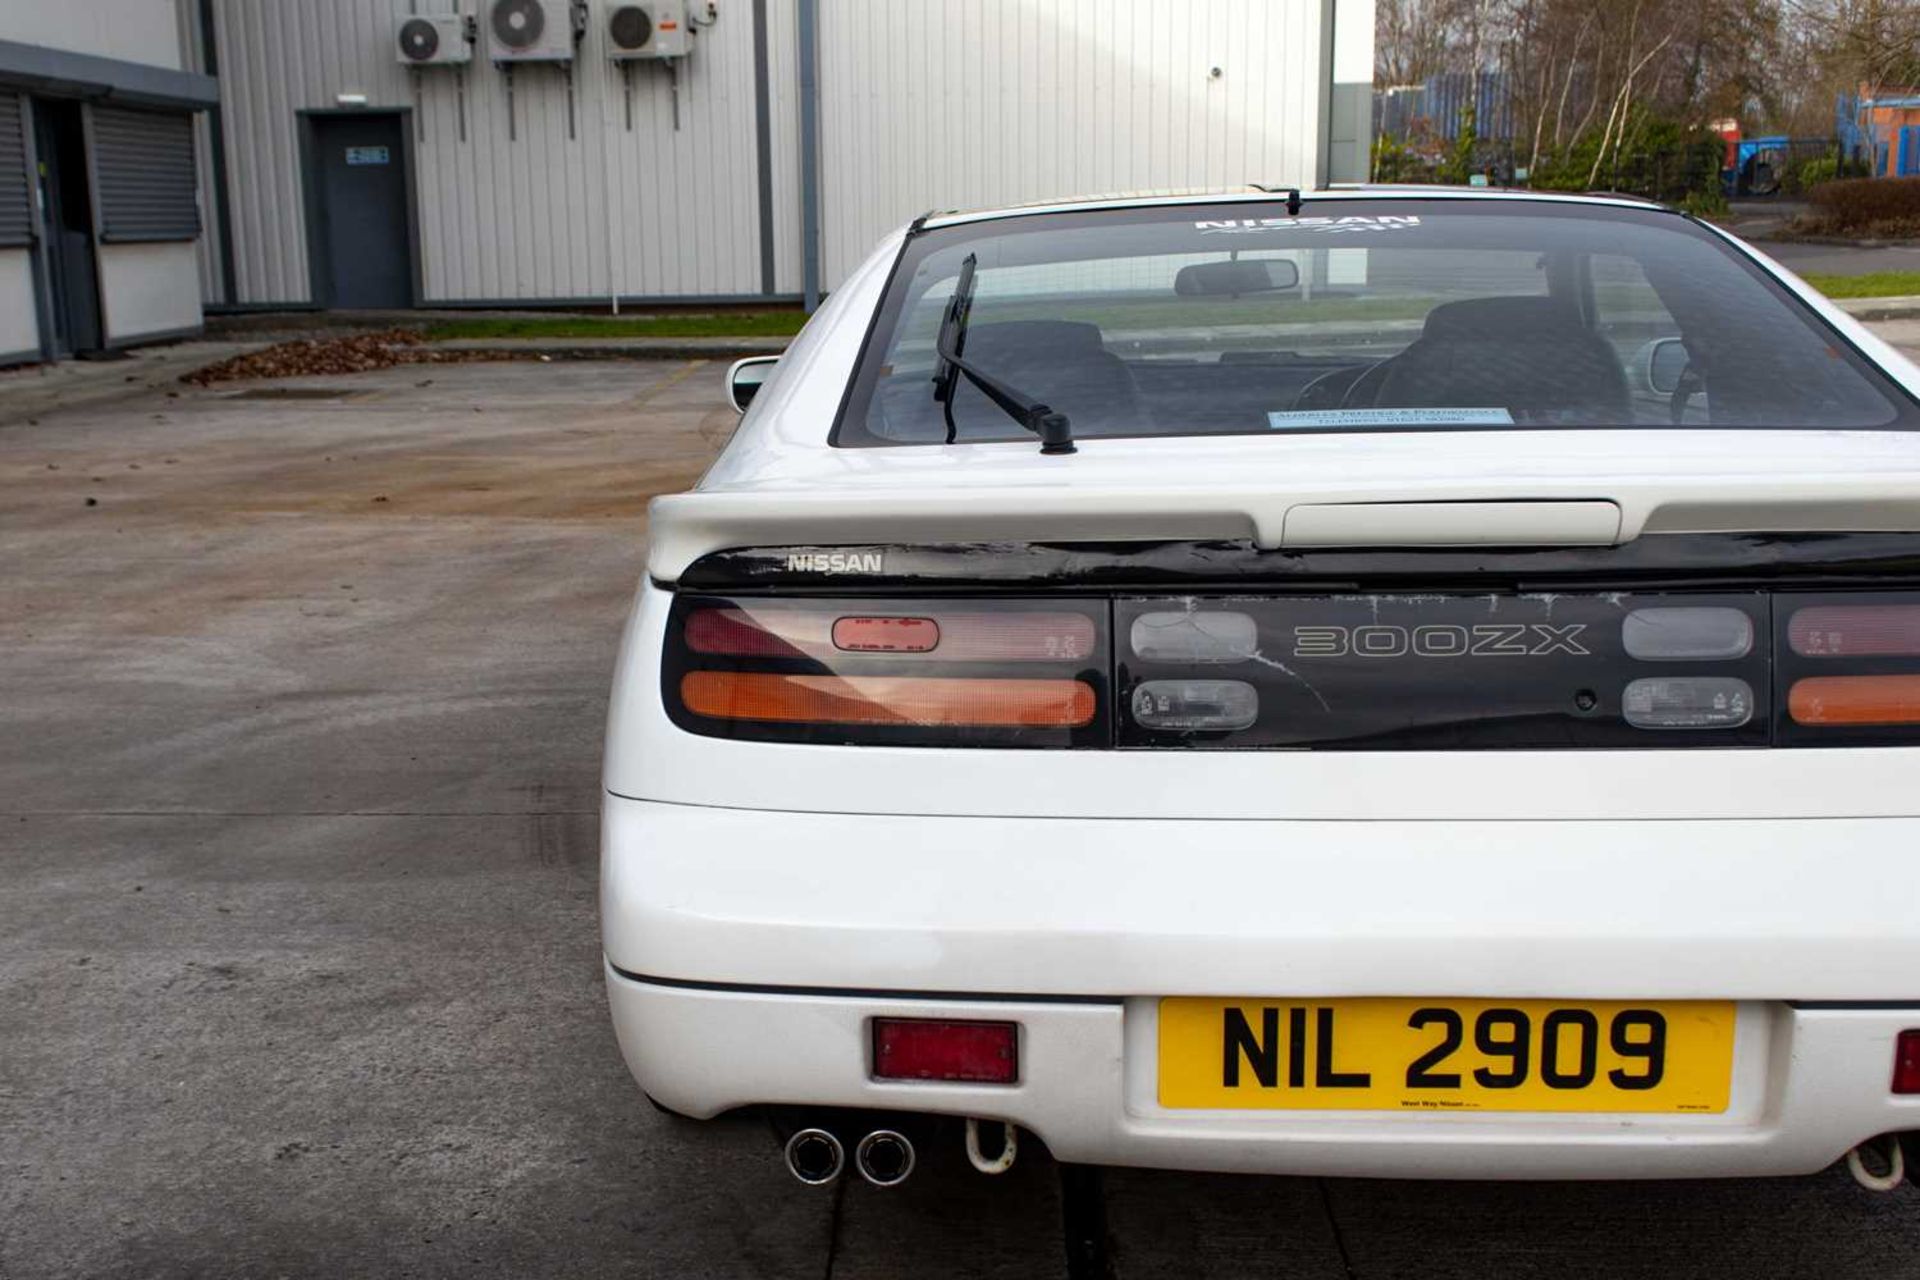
(1373, 682)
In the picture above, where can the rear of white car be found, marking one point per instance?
(1458, 729)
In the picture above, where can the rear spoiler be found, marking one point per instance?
(686, 527)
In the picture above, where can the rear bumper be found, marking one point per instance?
(1809, 1084)
(1716, 909)
(747, 950)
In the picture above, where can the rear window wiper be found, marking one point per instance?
(1056, 435)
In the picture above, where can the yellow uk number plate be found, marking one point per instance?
(1446, 1055)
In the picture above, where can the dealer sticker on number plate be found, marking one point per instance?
(1446, 1055)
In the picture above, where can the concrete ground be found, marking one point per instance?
(1842, 259)
(301, 690)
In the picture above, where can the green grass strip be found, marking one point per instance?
(718, 324)
(1875, 284)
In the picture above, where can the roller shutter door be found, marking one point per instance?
(143, 164)
(16, 191)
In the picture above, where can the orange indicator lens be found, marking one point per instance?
(1843, 700)
(881, 700)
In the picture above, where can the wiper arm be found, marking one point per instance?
(1056, 436)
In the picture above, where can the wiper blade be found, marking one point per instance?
(1056, 435)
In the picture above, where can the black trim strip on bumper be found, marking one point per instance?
(1865, 1005)
(859, 993)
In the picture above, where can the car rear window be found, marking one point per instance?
(1402, 315)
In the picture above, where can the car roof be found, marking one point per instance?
(1251, 191)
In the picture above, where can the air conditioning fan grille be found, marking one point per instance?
(419, 39)
(517, 24)
(630, 27)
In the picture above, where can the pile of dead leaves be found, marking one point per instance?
(353, 353)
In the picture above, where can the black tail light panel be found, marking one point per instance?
(1447, 672)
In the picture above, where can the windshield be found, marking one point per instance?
(1403, 315)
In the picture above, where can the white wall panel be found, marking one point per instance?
(19, 324)
(957, 103)
(148, 289)
(925, 104)
(132, 30)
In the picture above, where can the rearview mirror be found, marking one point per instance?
(1667, 362)
(745, 378)
(1235, 277)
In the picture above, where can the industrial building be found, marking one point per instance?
(175, 155)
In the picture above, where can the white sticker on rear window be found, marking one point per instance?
(1293, 419)
(1329, 226)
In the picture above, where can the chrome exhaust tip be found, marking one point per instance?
(815, 1157)
(884, 1158)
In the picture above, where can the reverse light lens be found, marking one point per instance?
(1194, 636)
(1906, 1062)
(1687, 702)
(781, 632)
(1687, 634)
(1855, 700)
(888, 700)
(886, 635)
(939, 1049)
(1855, 631)
(1194, 705)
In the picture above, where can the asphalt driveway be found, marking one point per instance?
(301, 689)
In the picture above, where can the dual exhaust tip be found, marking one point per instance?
(816, 1157)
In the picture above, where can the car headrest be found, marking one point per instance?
(1034, 341)
(1510, 319)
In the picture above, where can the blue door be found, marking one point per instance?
(1909, 151)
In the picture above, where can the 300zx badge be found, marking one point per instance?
(1501, 639)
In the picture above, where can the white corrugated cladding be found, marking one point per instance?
(923, 104)
(528, 211)
(943, 103)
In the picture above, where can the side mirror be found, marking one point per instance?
(1667, 362)
(745, 378)
(1235, 277)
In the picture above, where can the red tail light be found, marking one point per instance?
(1906, 1063)
(1856, 631)
(1712, 669)
(880, 672)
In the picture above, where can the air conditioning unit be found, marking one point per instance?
(534, 30)
(654, 29)
(435, 40)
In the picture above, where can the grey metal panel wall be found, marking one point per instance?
(933, 104)
(531, 212)
(143, 162)
(16, 191)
